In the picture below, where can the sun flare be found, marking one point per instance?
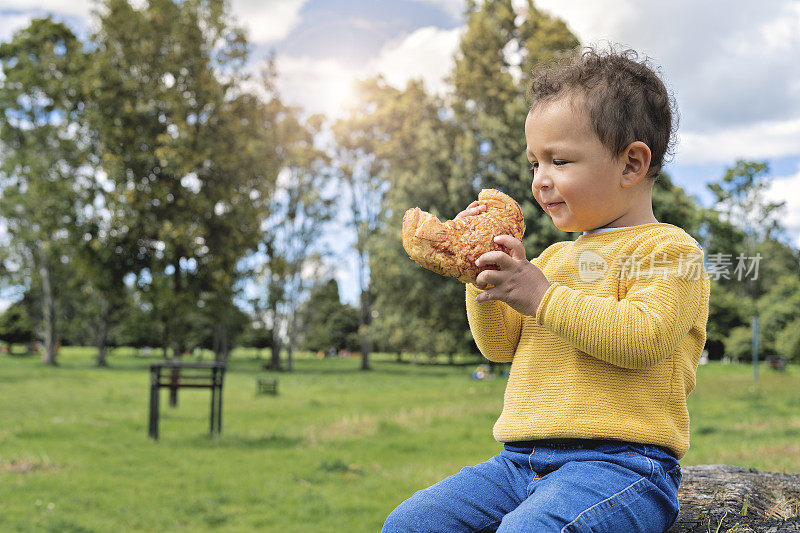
(338, 93)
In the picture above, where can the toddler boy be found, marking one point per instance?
(603, 333)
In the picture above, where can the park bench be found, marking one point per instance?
(267, 386)
(176, 375)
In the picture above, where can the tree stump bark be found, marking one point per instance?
(725, 498)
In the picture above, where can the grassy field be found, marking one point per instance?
(336, 450)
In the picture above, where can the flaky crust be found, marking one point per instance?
(451, 248)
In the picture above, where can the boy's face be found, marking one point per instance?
(577, 180)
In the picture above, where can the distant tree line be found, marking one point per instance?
(153, 193)
(147, 179)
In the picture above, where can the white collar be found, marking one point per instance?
(601, 230)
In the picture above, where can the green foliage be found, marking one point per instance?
(300, 208)
(490, 105)
(787, 342)
(672, 205)
(726, 312)
(45, 173)
(188, 150)
(140, 325)
(16, 324)
(739, 195)
(257, 335)
(739, 344)
(779, 313)
(744, 223)
(326, 323)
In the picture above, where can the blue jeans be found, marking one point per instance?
(582, 485)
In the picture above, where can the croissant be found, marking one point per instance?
(451, 248)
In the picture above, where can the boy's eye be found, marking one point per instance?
(533, 168)
(559, 162)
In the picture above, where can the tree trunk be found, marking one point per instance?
(275, 359)
(165, 339)
(221, 350)
(289, 357)
(725, 497)
(102, 333)
(290, 344)
(49, 316)
(365, 334)
(178, 340)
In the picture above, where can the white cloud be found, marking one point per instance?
(325, 85)
(732, 67)
(11, 23)
(426, 53)
(759, 140)
(787, 189)
(454, 8)
(318, 85)
(266, 20)
(270, 20)
(590, 21)
(78, 8)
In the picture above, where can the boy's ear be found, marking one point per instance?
(637, 162)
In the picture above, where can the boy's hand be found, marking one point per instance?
(472, 209)
(518, 282)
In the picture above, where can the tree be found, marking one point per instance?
(779, 310)
(188, 152)
(327, 323)
(672, 205)
(363, 174)
(138, 327)
(258, 336)
(44, 176)
(291, 251)
(741, 229)
(413, 137)
(16, 325)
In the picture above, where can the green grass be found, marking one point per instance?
(336, 450)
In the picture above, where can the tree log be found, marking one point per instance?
(722, 498)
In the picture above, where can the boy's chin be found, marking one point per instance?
(569, 228)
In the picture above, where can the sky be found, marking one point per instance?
(731, 64)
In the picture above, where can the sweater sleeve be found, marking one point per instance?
(661, 301)
(495, 326)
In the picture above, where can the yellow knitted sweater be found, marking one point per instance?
(614, 346)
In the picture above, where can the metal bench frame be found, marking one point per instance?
(175, 375)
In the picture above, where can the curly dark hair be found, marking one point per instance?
(625, 99)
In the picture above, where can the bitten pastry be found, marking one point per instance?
(451, 248)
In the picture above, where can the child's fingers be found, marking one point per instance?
(497, 258)
(485, 296)
(488, 278)
(516, 249)
(472, 209)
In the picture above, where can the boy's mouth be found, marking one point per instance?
(554, 205)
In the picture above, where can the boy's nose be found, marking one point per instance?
(540, 180)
